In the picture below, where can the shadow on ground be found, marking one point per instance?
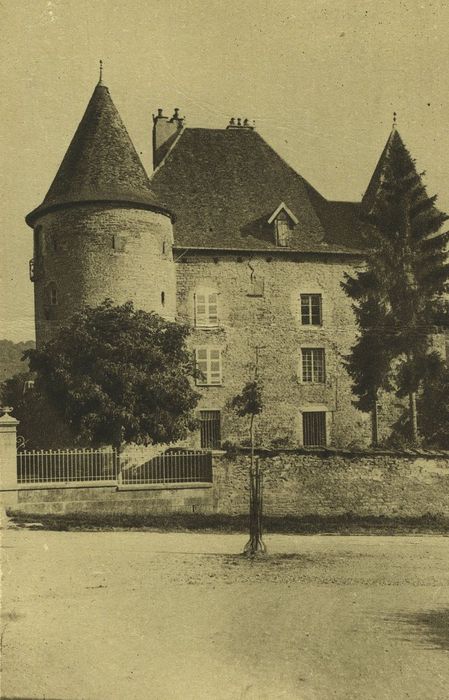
(429, 628)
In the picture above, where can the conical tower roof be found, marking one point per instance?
(375, 184)
(101, 163)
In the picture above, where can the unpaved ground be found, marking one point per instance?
(182, 616)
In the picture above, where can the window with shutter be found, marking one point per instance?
(282, 232)
(208, 363)
(206, 308)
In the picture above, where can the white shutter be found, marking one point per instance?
(201, 365)
(213, 308)
(200, 309)
(215, 366)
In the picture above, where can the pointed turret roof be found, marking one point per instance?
(101, 163)
(375, 183)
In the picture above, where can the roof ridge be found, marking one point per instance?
(171, 147)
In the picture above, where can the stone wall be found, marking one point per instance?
(303, 483)
(109, 499)
(272, 321)
(296, 483)
(92, 252)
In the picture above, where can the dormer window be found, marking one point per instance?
(282, 230)
(283, 221)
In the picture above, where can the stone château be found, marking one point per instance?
(226, 237)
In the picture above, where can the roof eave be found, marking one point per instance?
(42, 209)
(355, 252)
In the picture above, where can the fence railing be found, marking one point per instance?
(37, 467)
(106, 465)
(174, 467)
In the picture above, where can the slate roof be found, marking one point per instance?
(223, 185)
(101, 163)
(375, 183)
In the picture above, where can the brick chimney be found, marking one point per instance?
(165, 130)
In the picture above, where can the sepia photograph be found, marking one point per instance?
(224, 350)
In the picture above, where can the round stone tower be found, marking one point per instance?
(100, 233)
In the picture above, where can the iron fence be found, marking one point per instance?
(171, 467)
(106, 465)
(49, 466)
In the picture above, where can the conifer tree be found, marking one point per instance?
(407, 273)
(370, 358)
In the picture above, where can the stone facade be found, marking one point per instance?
(85, 254)
(272, 322)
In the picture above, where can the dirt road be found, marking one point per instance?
(182, 616)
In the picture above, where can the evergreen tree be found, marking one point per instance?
(406, 273)
(370, 359)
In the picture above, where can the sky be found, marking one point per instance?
(321, 79)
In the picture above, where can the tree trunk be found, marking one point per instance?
(413, 418)
(375, 424)
(255, 544)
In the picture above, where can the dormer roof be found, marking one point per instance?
(100, 165)
(283, 208)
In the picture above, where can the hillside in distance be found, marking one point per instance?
(11, 362)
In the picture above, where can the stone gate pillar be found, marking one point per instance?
(8, 458)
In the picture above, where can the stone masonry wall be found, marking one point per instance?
(92, 252)
(296, 483)
(332, 484)
(108, 499)
(272, 321)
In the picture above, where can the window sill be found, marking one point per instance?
(303, 383)
(202, 386)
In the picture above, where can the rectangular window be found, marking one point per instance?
(119, 242)
(313, 365)
(314, 428)
(208, 363)
(311, 310)
(206, 308)
(210, 430)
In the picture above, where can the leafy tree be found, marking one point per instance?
(116, 374)
(407, 272)
(40, 426)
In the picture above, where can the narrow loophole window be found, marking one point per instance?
(163, 298)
